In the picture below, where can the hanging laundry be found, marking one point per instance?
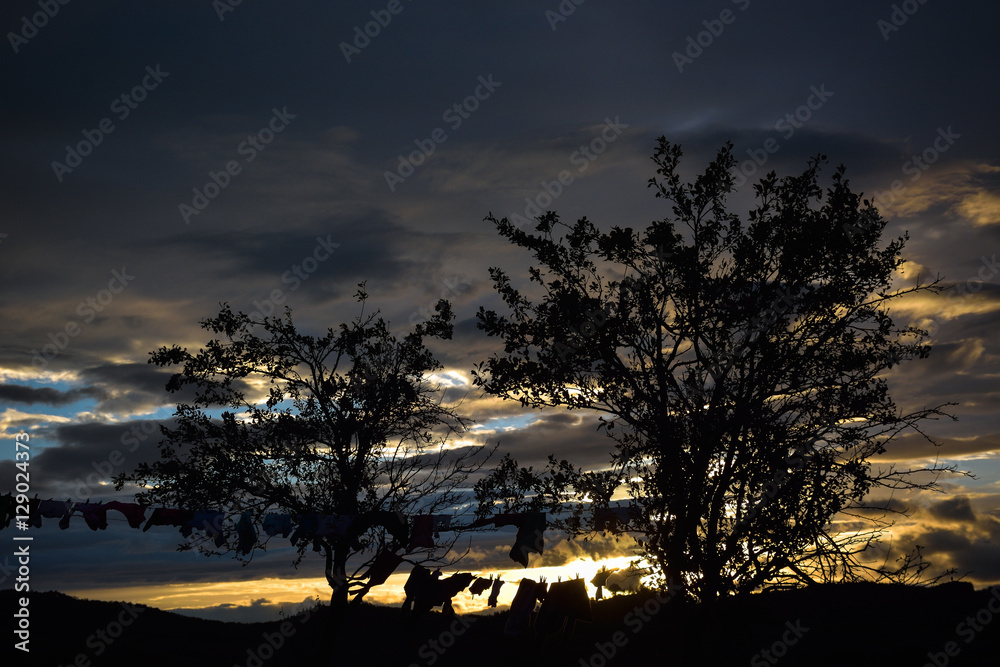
(56, 509)
(415, 585)
(247, 534)
(6, 510)
(163, 516)
(626, 580)
(422, 532)
(425, 591)
(521, 608)
(429, 590)
(600, 580)
(530, 532)
(384, 564)
(479, 585)
(335, 526)
(135, 514)
(494, 593)
(565, 604)
(95, 514)
(394, 522)
(34, 518)
(306, 527)
(446, 589)
(209, 521)
(278, 523)
(530, 537)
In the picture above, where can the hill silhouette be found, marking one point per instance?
(838, 625)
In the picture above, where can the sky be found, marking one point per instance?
(160, 158)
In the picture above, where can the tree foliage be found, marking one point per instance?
(346, 423)
(739, 366)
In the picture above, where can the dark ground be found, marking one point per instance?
(842, 625)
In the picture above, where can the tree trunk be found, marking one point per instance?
(336, 576)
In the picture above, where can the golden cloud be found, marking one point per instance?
(960, 188)
(596, 547)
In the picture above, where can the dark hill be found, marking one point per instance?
(843, 625)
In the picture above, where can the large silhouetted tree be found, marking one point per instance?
(739, 366)
(346, 424)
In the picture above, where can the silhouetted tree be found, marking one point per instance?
(739, 367)
(346, 424)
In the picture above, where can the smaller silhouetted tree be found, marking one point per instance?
(346, 423)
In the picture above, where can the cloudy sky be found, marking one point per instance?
(160, 158)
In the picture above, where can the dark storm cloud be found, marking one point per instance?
(338, 252)
(570, 435)
(915, 446)
(957, 509)
(87, 456)
(973, 551)
(47, 395)
(136, 388)
(138, 377)
(80, 557)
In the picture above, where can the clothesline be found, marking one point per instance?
(419, 532)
